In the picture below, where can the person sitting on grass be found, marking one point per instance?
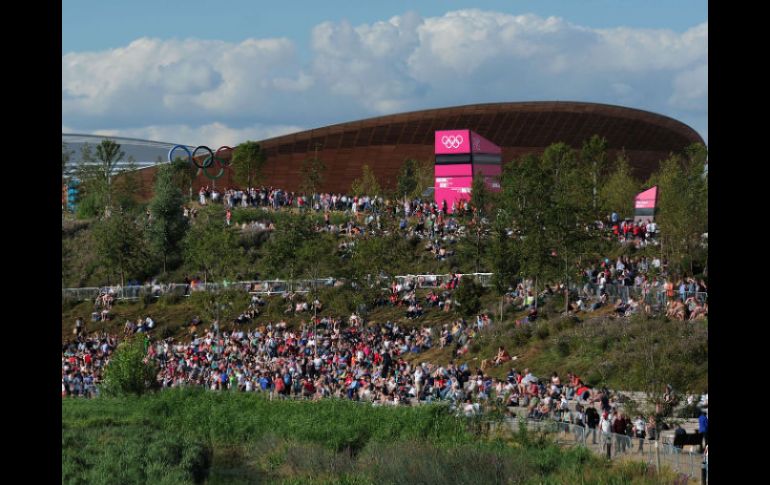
(502, 356)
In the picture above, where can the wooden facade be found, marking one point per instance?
(519, 128)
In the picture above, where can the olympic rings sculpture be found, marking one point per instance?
(452, 141)
(208, 161)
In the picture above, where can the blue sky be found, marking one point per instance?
(223, 71)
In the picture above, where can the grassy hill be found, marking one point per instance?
(621, 353)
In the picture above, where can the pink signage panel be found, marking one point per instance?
(647, 199)
(454, 170)
(479, 144)
(451, 189)
(452, 142)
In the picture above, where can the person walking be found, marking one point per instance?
(592, 420)
(703, 429)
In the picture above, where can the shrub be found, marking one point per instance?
(127, 372)
(542, 332)
(468, 297)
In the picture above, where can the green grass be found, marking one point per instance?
(195, 436)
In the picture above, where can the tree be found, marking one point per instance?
(683, 205)
(183, 174)
(549, 198)
(281, 253)
(467, 297)
(617, 194)
(503, 257)
(247, 162)
(366, 184)
(119, 244)
(594, 155)
(212, 247)
(414, 178)
(167, 224)
(481, 197)
(109, 154)
(129, 372)
(95, 173)
(312, 175)
(406, 184)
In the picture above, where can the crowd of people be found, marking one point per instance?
(331, 357)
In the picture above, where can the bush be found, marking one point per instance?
(542, 332)
(127, 372)
(468, 297)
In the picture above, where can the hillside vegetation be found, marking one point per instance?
(194, 436)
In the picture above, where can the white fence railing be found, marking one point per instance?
(264, 287)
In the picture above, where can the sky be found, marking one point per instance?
(204, 72)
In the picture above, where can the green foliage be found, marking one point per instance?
(128, 372)
(212, 247)
(683, 205)
(244, 438)
(481, 197)
(549, 199)
(282, 256)
(89, 205)
(618, 193)
(311, 175)
(406, 184)
(168, 225)
(247, 162)
(132, 454)
(467, 297)
(96, 173)
(504, 261)
(183, 175)
(594, 155)
(366, 184)
(119, 245)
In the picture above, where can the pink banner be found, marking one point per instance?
(479, 144)
(452, 142)
(451, 189)
(454, 170)
(647, 199)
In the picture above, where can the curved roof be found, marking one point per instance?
(525, 124)
(385, 142)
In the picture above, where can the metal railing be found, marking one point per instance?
(133, 292)
(612, 445)
(435, 281)
(655, 296)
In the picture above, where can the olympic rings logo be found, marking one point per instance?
(208, 161)
(452, 141)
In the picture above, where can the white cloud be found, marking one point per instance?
(213, 135)
(404, 63)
